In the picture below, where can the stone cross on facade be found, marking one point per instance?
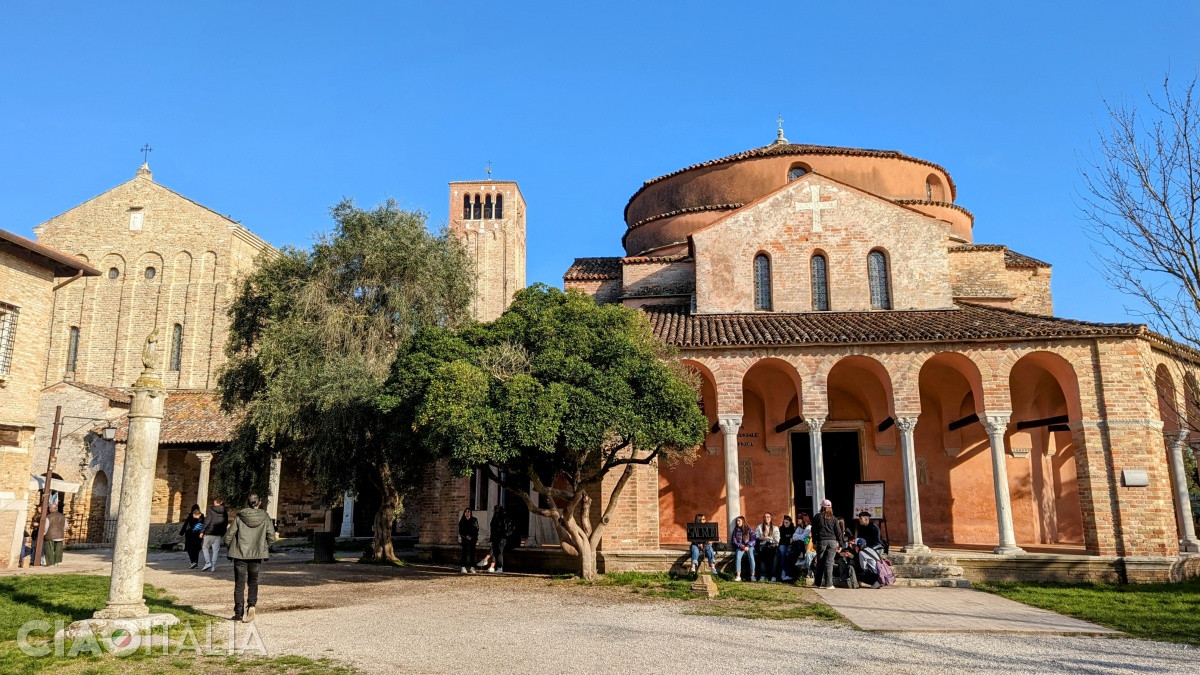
(146, 150)
(815, 205)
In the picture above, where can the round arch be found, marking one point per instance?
(1167, 399)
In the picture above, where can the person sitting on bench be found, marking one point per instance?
(707, 550)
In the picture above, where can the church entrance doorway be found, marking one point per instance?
(843, 468)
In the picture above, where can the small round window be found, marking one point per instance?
(796, 172)
(113, 273)
(150, 272)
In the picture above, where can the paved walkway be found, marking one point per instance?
(427, 619)
(950, 610)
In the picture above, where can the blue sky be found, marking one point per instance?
(272, 112)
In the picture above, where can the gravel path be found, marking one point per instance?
(432, 620)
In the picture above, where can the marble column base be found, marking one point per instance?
(1008, 550)
(914, 548)
(1187, 546)
(124, 611)
(102, 628)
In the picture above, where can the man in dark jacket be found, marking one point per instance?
(249, 540)
(215, 524)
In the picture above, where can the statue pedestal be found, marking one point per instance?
(103, 629)
(704, 584)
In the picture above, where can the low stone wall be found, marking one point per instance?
(1077, 568)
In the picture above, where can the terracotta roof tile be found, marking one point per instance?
(969, 322)
(1011, 258)
(593, 269)
(691, 209)
(189, 417)
(111, 393)
(775, 149)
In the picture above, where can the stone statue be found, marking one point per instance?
(150, 351)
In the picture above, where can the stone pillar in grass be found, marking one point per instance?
(126, 608)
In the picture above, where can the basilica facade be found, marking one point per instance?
(848, 330)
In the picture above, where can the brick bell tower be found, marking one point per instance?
(489, 217)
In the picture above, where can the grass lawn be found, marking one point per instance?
(746, 599)
(1165, 612)
(70, 597)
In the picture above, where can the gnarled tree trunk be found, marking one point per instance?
(381, 550)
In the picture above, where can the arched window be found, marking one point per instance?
(72, 349)
(820, 283)
(487, 207)
(466, 207)
(934, 191)
(877, 274)
(499, 207)
(176, 348)
(478, 208)
(796, 172)
(762, 282)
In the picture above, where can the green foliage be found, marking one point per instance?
(557, 387)
(1167, 612)
(312, 338)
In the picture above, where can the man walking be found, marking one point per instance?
(249, 540)
(215, 525)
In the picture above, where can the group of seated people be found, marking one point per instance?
(788, 552)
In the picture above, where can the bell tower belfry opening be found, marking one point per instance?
(489, 217)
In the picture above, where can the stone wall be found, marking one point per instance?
(604, 291)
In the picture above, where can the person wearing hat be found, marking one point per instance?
(869, 531)
(828, 536)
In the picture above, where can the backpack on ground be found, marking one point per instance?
(886, 576)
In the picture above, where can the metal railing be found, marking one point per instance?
(96, 531)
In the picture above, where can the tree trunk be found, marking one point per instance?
(381, 550)
(587, 561)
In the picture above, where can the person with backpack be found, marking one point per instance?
(828, 535)
(501, 529)
(869, 562)
(249, 540)
(468, 535)
(193, 532)
(215, 524)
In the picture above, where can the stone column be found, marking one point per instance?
(1176, 441)
(996, 425)
(912, 499)
(137, 492)
(205, 469)
(347, 515)
(816, 456)
(273, 488)
(733, 481)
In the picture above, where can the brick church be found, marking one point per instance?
(850, 330)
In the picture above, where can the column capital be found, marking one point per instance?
(996, 423)
(906, 424)
(204, 457)
(729, 423)
(1176, 436)
(815, 422)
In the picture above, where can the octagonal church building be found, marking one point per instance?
(849, 330)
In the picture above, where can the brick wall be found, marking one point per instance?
(496, 245)
(605, 291)
(197, 256)
(854, 224)
(28, 287)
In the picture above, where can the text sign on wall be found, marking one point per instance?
(702, 532)
(869, 497)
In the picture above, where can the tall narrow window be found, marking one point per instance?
(928, 191)
(466, 207)
(478, 208)
(820, 283)
(176, 347)
(72, 349)
(762, 282)
(487, 207)
(499, 207)
(877, 274)
(8, 335)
